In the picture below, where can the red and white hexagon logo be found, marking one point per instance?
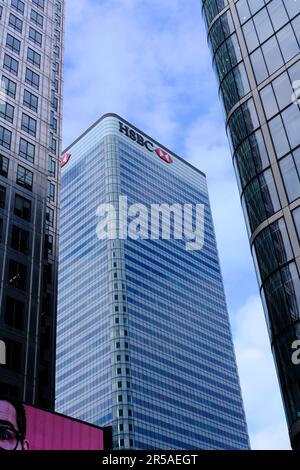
(64, 159)
(164, 155)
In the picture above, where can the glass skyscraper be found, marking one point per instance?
(256, 57)
(31, 62)
(143, 336)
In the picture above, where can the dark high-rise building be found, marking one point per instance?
(143, 336)
(31, 66)
(256, 57)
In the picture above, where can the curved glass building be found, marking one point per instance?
(256, 57)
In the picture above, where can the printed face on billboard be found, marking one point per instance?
(24, 427)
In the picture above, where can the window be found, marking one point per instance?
(2, 197)
(48, 250)
(13, 43)
(20, 239)
(27, 150)
(47, 275)
(272, 248)
(15, 23)
(33, 57)
(22, 208)
(32, 78)
(290, 169)
(51, 167)
(51, 192)
(121, 427)
(11, 64)
(24, 177)
(35, 36)
(53, 121)
(49, 217)
(52, 143)
(1, 230)
(4, 164)
(7, 112)
(28, 124)
(17, 273)
(5, 137)
(18, 5)
(9, 86)
(119, 384)
(30, 100)
(36, 18)
(39, 3)
(121, 412)
(13, 355)
(296, 215)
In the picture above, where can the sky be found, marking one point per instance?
(148, 61)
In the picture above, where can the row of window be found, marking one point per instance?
(268, 22)
(9, 87)
(19, 5)
(29, 100)
(27, 151)
(25, 178)
(18, 275)
(12, 65)
(15, 44)
(276, 51)
(212, 8)
(22, 206)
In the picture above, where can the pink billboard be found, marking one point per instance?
(23, 427)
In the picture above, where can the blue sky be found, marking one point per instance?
(148, 61)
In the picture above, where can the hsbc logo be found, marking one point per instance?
(139, 139)
(64, 159)
(164, 155)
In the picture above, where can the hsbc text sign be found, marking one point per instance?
(139, 139)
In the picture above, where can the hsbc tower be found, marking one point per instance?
(143, 336)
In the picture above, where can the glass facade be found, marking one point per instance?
(143, 336)
(31, 62)
(256, 57)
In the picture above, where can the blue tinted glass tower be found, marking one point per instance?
(143, 336)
